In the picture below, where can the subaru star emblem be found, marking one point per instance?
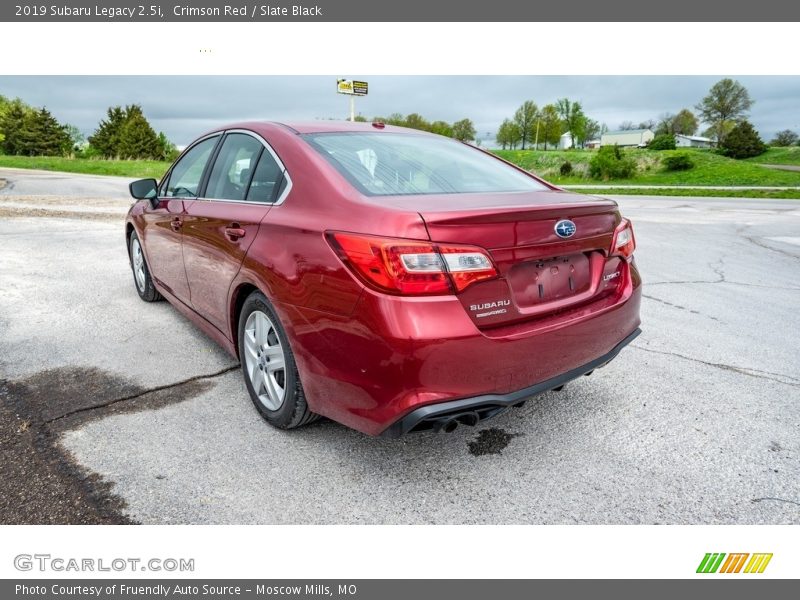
(565, 228)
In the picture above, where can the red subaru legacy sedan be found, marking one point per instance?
(389, 279)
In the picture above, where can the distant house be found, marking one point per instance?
(592, 144)
(627, 138)
(566, 142)
(693, 141)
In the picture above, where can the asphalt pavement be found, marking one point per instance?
(121, 411)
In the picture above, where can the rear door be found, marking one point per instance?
(220, 226)
(163, 225)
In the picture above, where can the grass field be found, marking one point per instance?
(766, 194)
(122, 168)
(709, 169)
(778, 156)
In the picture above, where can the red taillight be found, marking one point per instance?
(467, 265)
(624, 242)
(410, 267)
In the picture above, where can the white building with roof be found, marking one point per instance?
(627, 138)
(692, 141)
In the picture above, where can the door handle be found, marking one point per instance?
(176, 224)
(234, 232)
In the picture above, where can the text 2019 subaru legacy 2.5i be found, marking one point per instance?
(389, 279)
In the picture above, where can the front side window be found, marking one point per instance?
(389, 164)
(184, 179)
(233, 167)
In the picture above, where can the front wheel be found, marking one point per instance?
(268, 365)
(141, 274)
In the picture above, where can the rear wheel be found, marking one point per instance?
(268, 365)
(141, 274)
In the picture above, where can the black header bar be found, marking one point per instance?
(407, 11)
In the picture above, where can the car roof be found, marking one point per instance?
(326, 126)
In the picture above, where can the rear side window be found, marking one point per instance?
(266, 179)
(389, 164)
(233, 167)
(184, 179)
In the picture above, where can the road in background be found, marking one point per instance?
(25, 192)
(696, 422)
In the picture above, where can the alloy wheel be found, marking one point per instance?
(265, 360)
(138, 264)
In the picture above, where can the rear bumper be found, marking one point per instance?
(490, 405)
(394, 357)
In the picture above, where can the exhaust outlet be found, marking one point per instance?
(471, 419)
(448, 425)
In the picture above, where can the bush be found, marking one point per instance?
(742, 142)
(664, 141)
(88, 151)
(610, 163)
(566, 169)
(680, 161)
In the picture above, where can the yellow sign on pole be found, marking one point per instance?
(351, 87)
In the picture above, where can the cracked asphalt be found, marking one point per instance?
(115, 411)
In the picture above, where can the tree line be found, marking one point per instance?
(724, 109)
(463, 130)
(544, 126)
(125, 133)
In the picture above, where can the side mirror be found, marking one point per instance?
(144, 189)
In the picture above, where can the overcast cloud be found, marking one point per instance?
(185, 106)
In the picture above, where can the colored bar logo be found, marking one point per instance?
(713, 562)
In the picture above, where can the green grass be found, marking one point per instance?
(778, 156)
(90, 166)
(766, 194)
(710, 168)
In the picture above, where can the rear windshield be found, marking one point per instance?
(391, 164)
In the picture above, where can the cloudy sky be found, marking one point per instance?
(184, 107)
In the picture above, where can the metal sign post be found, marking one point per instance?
(352, 88)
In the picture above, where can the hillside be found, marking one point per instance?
(710, 168)
(779, 156)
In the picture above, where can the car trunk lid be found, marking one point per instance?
(540, 272)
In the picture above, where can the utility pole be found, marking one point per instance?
(536, 143)
(352, 89)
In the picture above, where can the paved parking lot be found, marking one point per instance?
(119, 411)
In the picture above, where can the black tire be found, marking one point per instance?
(142, 282)
(294, 411)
